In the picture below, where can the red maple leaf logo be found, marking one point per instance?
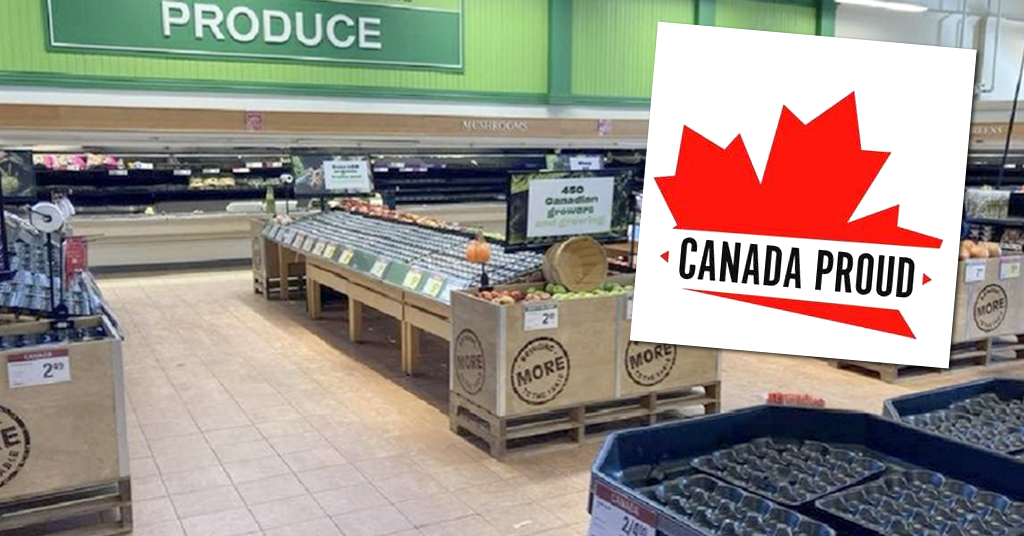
(816, 176)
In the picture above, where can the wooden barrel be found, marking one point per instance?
(580, 264)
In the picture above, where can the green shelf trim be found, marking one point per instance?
(705, 15)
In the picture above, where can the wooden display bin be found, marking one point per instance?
(63, 445)
(991, 306)
(520, 389)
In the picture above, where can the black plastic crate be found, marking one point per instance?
(984, 413)
(631, 462)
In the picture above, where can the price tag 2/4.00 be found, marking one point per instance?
(615, 515)
(538, 317)
(43, 367)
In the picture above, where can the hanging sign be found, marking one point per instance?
(391, 33)
(76, 257)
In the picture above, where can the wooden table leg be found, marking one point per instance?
(355, 320)
(282, 269)
(410, 348)
(313, 298)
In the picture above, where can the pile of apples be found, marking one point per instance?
(551, 291)
(978, 250)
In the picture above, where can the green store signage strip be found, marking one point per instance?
(395, 33)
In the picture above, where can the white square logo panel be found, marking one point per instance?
(803, 195)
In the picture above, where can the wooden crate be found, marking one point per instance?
(61, 440)
(993, 306)
(508, 370)
(579, 424)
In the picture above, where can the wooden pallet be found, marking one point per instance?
(569, 427)
(962, 355)
(269, 286)
(101, 510)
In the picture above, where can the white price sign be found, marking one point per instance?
(378, 268)
(1009, 268)
(538, 317)
(613, 514)
(349, 175)
(629, 308)
(574, 206)
(586, 163)
(974, 271)
(43, 367)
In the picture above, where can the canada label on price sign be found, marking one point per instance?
(346, 257)
(614, 514)
(538, 317)
(42, 367)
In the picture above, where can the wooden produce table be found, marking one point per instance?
(267, 259)
(63, 433)
(414, 311)
(522, 382)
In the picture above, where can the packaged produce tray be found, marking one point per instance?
(911, 482)
(985, 413)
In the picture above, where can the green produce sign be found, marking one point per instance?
(397, 33)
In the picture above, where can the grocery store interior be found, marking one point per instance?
(271, 284)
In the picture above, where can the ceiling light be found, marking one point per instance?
(886, 4)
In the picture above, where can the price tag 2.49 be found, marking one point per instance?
(42, 367)
(614, 515)
(538, 317)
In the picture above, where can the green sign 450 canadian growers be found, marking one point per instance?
(397, 33)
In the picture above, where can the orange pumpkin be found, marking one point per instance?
(478, 251)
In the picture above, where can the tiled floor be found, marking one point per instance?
(246, 418)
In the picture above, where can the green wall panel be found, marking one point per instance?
(613, 44)
(506, 51)
(775, 16)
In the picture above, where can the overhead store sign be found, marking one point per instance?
(399, 33)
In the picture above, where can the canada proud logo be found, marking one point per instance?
(803, 195)
(790, 202)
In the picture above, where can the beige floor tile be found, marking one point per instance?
(153, 512)
(187, 445)
(341, 501)
(433, 509)
(372, 522)
(259, 469)
(240, 452)
(196, 480)
(185, 462)
(456, 477)
(329, 478)
(148, 487)
(267, 414)
(166, 528)
(317, 458)
(243, 434)
(319, 527)
(410, 485)
(162, 429)
(572, 508)
(205, 502)
(464, 526)
(236, 522)
(292, 427)
(143, 467)
(271, 489)
(299, 442)
(528, 519)
(286, 512)
(384, 468)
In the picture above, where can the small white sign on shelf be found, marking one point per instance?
(378, 268)
(1009, 268)
(538, 317)
(615, 515)
(974, 271)
(629, 308)
(42, 367)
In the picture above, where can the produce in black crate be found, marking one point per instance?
(985, 421)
